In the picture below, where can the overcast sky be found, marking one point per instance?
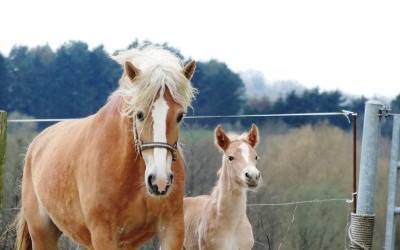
(353, 46)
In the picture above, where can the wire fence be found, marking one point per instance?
(344, 113)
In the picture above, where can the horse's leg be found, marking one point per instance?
(105, 238)
(44, 234)
(172, 236)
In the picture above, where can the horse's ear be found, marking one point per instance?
(189, 68)
(131, 70)
(253, 137)
(221, 139)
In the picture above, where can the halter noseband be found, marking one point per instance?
(143, 146)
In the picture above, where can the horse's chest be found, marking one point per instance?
(140, 221)
(222, 240)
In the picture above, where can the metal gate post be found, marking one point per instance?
(393, 179)
(362, 222)
(369, 157)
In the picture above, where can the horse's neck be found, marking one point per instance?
(116, 125)
(230, 198)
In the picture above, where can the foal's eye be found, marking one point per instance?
(140, 116)
(231, 158)
(180, 117)
(257, 157)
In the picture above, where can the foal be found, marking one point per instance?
(218, 221)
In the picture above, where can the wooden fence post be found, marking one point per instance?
(3, 139)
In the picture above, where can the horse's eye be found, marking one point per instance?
(231, 158)
(180, 117)
(257, 157)
(140, 116)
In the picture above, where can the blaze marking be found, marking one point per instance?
(160, 134)
(245, 151)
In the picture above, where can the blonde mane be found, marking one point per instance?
(160, 70)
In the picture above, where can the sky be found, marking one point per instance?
(347, 45)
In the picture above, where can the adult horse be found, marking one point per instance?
(114, 179)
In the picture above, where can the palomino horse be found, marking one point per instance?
(114, 179)
(219, 220)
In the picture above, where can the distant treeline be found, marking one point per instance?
(74, 81)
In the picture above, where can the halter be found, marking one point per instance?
(143, 146)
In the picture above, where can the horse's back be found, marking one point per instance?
(57, 136)
(53, 150)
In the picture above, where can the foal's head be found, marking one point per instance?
(157, 91)
(240, 156)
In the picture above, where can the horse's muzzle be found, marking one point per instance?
(159, 187)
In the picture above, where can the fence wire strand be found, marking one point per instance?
(344, 113)
(289, 203)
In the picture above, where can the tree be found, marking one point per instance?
(81, 80)
(29, 75)
(395, 104)
(308, 102)
(3, 82)
(221, 92)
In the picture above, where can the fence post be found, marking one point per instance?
(3, 138)
(362, 222)
(393, 179)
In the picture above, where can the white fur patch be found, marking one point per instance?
(159, 115)
(245, 151)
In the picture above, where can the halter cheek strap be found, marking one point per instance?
(143, 146)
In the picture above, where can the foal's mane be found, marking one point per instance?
(160, 69)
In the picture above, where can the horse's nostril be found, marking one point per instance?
(150, 179)
(247, 175)
(171, 177)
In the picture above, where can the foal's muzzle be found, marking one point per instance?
(252, 179)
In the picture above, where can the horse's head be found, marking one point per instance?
(240, 156)
(156, 123)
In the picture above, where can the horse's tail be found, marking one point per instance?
(23, 241)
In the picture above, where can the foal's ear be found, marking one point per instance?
(131, 70)
(188, 69)
(253, 137)
(221, 139)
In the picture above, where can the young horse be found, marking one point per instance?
(116, 178)
(218, 220)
